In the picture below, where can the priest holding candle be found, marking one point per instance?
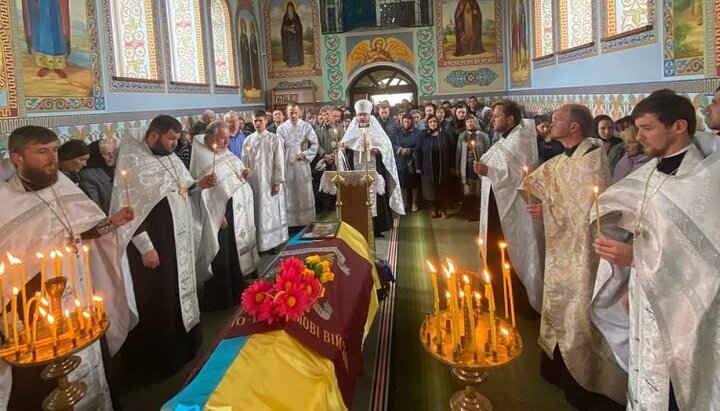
(43, 211)
(571, 343)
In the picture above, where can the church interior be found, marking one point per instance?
(99, 70)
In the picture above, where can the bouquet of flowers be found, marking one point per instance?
(291, 292)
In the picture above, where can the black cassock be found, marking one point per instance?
(159, 342)
(223, 289)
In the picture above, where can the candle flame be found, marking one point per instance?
(15, 291)
(86, 314)
(68, 250)
(447, 294)
(480, 242)
(37, 293)
(12, 259)
(451, 266)
(447, 273)
(2, 268)
(44, 302)
(50, 319)
(86, 249)
(77, 303)
(503, 244)
(505, 332)
(52, 255)
(507, 266)
(487, 277)
(97, 299)
(466, 280)
(39, 256)
(472, 143)
(596, 189)
(42, 312)
(431, 267)
(58, 253)
(477, 295)
(67, 314)
(123, 172)
(462, 294)
(525, 169)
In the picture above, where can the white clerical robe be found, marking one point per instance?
(673, 286)
(298, 138)
(564, 185)
(209, 209)
(150, 179)
(28, 226)
(263, 154)
(506, 161)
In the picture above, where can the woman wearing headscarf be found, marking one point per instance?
(97, 176)
(72, 156)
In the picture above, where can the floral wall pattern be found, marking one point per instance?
(544, 39)
(134, 32)
(576, 23)
(186, 42)
(333, 68)
(222, 43)
(424, 41)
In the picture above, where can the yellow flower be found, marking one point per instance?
(312, 260)
(327, 276)
(325, 266)
(308, 272)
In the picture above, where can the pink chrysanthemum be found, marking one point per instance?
(312, 288)
(292, 265)
(253, 297)
(293, 303)
(288, 279)
(269, 310)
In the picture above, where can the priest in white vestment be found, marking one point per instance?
(301, 146)
(225, 236)
(503, 168)
(43, 210)
(367, 139)
(659, 239)
(160, 247)
(263, 155)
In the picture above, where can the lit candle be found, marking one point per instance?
(503, 246)
(88, 276)
(127, 187)
(41, 311)
(481, 245)
(53, 257)
(470, 317)
(454, 300)
(71, 327)
(596, 192)
(474, 153)
(454, 321)
(436, 301)
(58, 262)
(78, 314)
(98, 301)
(53, 328)
(527, 193)
(478, 305)
(13, 317)
(506, 336)
(73, 277)
(447, 299)
(506, 273)
(491, 301)
(43, 273)
(214, 149)
(88, 321)
(6, 328)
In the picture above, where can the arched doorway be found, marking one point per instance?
(383, 82)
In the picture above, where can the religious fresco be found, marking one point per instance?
(519, 43)
(249, 54)
(363, 50)
(9, 106)
(469, 32)
(684, 43)
(59, 55)
(291, 38)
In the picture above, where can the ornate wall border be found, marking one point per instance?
(497, 58)
(8, 77)
(128, 84)
(178, 87)
(317, 70)
(673, 67)
(426, 64)
(94, 102)
(717, 37)
(578, 52)
(633, 38)
(334, 61)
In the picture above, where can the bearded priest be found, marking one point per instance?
(42, 211)
(160, 247)
(224, 220)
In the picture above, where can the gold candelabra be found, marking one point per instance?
(52, 338)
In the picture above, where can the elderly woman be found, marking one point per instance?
(98, 174)
(471, 145)
(634, 157)
(436, 162)
(72, 157)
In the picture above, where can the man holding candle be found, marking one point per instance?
(329, 133)
(301, 145)
(657, 234)
(43, 210)
(224, 216)
(576, 356)
(471, 145)
(369, 143)
(160, 247)
(263, 154)
(502, 169)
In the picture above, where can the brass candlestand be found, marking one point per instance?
(55, 343)
(470, 365)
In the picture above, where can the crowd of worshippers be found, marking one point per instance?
(627, 290)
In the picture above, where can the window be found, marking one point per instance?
(626, 15)
(186, 46)
(544, 38)
(134, 39)
(338, 16)
(576, 23)
(222, 43)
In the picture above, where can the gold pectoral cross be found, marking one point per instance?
(73, 243)
(182, 191)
